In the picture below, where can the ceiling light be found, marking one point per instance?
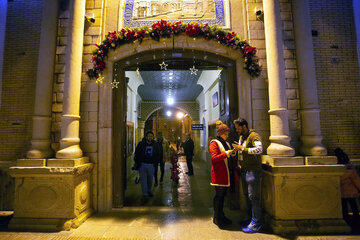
(180, 115)
(170, 101)
(168, 113)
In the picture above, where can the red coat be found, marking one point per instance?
(220, 175)
(350, 184)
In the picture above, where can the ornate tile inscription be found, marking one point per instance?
(146, 12)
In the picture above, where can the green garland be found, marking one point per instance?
(168, 29)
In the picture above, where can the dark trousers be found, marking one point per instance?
(162, 171)
(218, 202)
(189, 159)
(354, 207)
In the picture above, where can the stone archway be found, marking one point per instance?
(105, 129)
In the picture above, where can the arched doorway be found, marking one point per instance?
(111, 134)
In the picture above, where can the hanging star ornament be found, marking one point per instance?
(193, 70)
(114, 84)
(99, 79)
(137, 72)
(163, 65)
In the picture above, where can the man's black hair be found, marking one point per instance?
(241, 122)
(148, 132)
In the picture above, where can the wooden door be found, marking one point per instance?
(119, 137)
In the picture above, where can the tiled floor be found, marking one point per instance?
(175, 212)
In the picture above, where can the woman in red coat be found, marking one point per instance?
(220, 152)
(350, 191)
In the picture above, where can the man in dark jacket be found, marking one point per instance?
(188, 146)
(146, 156)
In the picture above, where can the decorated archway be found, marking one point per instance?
(122, 57)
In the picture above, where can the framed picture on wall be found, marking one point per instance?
(215, 99)
(222, 97)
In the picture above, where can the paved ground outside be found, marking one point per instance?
(175, 212)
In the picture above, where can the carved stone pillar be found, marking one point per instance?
(310, 113)
(40, 143)
(279, 126)
(69, 143)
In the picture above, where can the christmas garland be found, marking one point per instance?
(168, 29)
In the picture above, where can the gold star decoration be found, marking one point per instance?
(100, 79)
(193, 70)
(114, 84)
(163, 65)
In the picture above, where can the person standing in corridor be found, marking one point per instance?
(164, 153)
(146, 155)
(249, 149)
(220, 152)
(188, 146)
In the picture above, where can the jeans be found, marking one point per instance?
(162, 171)
(218, 202)
(146, 177)
(251, 187)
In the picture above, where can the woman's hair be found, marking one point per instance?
(341, 156)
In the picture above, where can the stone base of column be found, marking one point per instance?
(302, 198)
(310, 226)
(311, 146)
(69, 152)
(51, 198)
(277, 149)
(36, 153)
(48, 224)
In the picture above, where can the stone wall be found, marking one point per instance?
(22, 39)
(337, 73)
(260, 96)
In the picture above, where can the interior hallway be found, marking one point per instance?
(182, 212)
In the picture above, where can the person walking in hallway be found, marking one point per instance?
(188, 146)
(147, 153)
(350, 191)
(249, 149)
(220, 152)
(164, 153)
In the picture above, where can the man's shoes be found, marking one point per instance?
(150, 194)
(223, 222)
(252, 228)
(156, 184)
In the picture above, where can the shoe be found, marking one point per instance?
(218, 223)
(244, 221)
(252, 228)
(156, 184)
(150, 194)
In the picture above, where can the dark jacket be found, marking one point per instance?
(188, 146)
(146, 153)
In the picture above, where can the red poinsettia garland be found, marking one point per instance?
(167, 29)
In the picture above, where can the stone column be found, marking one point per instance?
(279, 126)
(40, 143)
(310, 113)
(69, 143)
